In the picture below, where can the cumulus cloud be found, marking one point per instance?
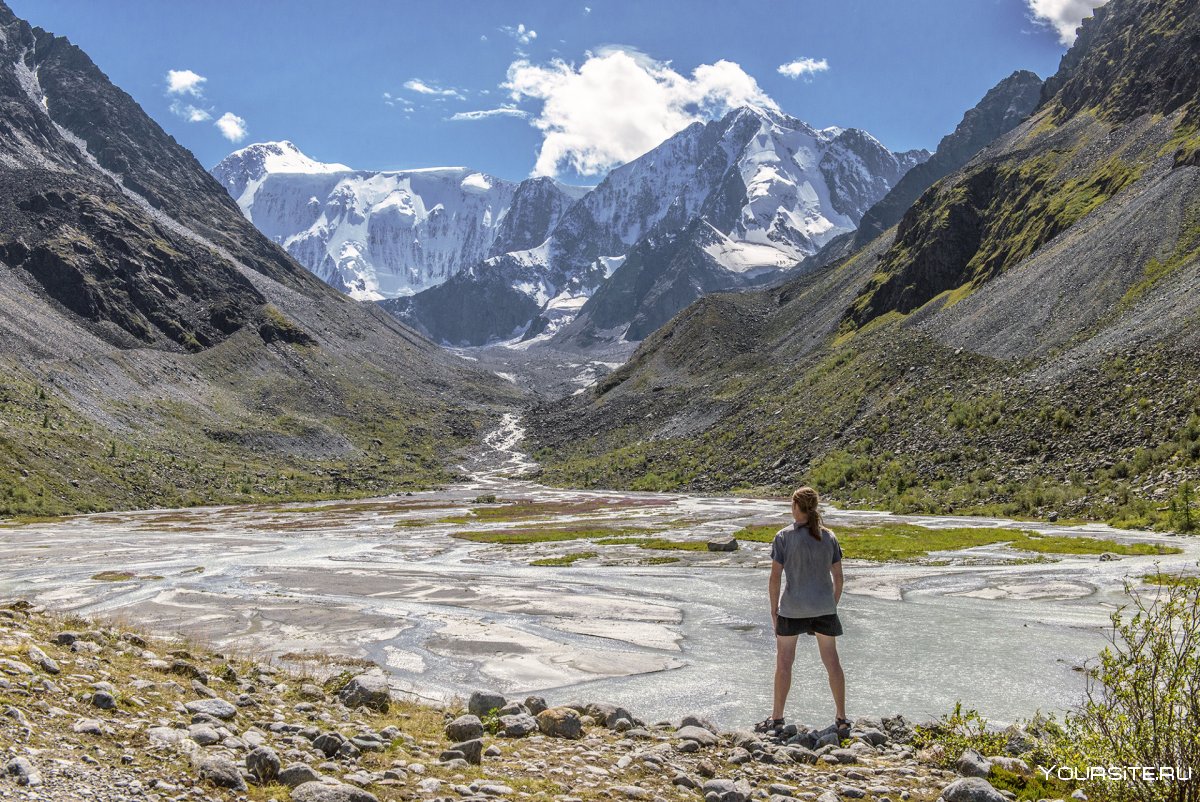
(232, 126)
(185, 82)
(1064, 16)
(621, 103)
(483, 114)
(423, 88)
(193, 114)
(519, 32)
(803, 67)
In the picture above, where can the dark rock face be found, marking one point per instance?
(1005, 106)
(1131, 58)
(116, 269)
(465, 310)
(537, 206)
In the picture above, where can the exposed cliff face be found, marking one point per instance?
(1005, 106)
(151, 337)
(988, 355)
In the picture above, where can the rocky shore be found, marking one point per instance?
(93, 711)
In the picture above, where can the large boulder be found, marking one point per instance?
(263, 764)
(298, 774)
(971, 789)
(472, 751)
(217, 708)
(973, 764)
(608, 715)
(518, 726)
(25, 772)
(481, 703)
(369, 690)
(330, 792)
(222, 772)
(726, 791)
(464, 728)
(697, 734)
(560, 722)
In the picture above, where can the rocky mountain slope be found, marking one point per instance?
(1024, 341)
(155, 348)
(380, 234)
(1005, 106)
(98, 712)
(768, 188)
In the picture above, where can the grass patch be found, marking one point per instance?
(114, 576)
(761, 533)
(1065, 544)
(663, 544)
(1180, 580)
(658, 561)
(897, 542)
(565, 559)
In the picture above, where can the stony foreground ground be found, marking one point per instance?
(98, 713)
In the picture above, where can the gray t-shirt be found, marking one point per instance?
(808, 585)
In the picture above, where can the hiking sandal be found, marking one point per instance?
(842, 725)
(768, 724)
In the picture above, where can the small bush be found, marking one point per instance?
(1142, 704)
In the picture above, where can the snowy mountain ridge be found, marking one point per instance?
(772, 189)
(378, 234)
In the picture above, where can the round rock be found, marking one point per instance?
(298, 774)
(218, 708)
(330, 792)
(465, 728)
(971, 789)
(369, 690)
(222, 772)
(263, 764)
(560, 722)
(483, 702)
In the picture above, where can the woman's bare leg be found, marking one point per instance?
(785, 655)
(833, 667)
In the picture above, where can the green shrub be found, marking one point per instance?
(1142, 702)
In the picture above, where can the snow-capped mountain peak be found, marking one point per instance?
(240, 170)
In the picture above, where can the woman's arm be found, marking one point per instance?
(773, 586)
(838, 581)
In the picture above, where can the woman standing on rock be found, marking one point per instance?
(809, 557)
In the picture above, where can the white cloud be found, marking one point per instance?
(1064, 16)
(193, 114)
(422, 88)
(184, 82)
(621, 103)
(803, 67)
(484, 114)
(522, 34)
(232, 126)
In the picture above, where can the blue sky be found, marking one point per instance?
(377, 85)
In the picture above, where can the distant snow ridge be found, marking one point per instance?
(525, 257)
(372, 234)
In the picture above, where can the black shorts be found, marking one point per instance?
(817, 625)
